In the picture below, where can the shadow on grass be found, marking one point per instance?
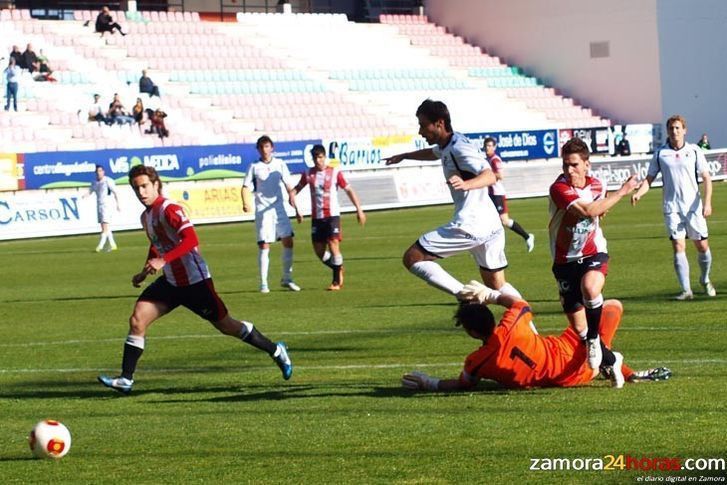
(342, 391)
(17, 458)
(72, 298)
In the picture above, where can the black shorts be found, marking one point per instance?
(200, 297)
(500, 202)
(569, 276)
(326, 229)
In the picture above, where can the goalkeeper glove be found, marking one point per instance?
(476, 291)
(419, 381)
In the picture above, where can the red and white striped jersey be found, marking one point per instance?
(572, 236)
(324, 185)
(498, 188)
(163, 222)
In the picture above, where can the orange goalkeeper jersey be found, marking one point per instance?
(517, 357)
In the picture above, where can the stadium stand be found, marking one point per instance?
(297, 76)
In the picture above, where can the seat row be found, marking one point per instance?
(227, 75)
(256, 87)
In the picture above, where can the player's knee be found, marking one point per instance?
(613, 303)
(595, 302)
(411, 257)
(137, 324)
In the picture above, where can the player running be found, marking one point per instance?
(685, 216)
(324, 181)
(498, 195)
(185, 281)
(475, 226)
(514, 355)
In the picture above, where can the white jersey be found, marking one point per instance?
(103, 189)
(680, 170)
(266, 180)
(474, 211)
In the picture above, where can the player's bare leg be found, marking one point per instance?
(422, 264)
(681, 267)
(704, 258)
(144, 314)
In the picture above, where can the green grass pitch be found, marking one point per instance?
(208, 409)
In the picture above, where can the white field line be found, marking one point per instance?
(545, 330)
(323, 367)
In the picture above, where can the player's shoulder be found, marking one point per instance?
(560, 184)
(594, 182)
(460, 142)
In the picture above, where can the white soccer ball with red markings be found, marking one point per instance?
(49, 439)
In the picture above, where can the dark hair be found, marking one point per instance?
(489, 139)
(98, 166)
(435, 111)
(139, 170)
(476, 317)
(316, 150)
(263, 140)
(575, 145)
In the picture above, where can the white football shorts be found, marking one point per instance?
(105, 213)
(272, 224)
(691, 225)
(448, 240)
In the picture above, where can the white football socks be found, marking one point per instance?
(436, 276)
(681, 266)
(287, 258)
(263, 261)
(705, 265)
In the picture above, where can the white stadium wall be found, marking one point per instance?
(662, 56)
(552, 41)
(692, 44)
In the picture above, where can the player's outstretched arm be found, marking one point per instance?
(483, 179)
(423, 154)
(419, 381)
(643, 189)
(601, 206)
(476, 292)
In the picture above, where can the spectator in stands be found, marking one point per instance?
(146, 85)
(12, 76)
(105, 23)
(30, 60)
(158, 127)
(96, 112)
(117, 112)
(138, 112)
(18, 56)
(703, 142)
(624, 147)
(45, 71)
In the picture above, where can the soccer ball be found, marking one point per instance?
(49, 439)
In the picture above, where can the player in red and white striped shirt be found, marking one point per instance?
(324, 182)
(580, 257)
(186, 281)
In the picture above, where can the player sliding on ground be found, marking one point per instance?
(185, 281)
(513, 355)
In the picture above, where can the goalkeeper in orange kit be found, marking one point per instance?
(514, 355)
